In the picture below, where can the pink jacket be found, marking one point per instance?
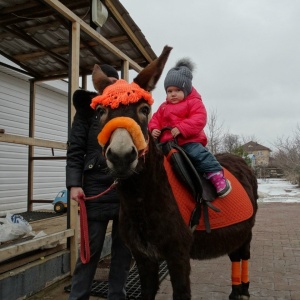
(189, 116)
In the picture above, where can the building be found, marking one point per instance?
(261, 160)
(260, 152)
(50, 118)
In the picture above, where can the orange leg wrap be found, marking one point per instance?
(235, 273)
(245, 271)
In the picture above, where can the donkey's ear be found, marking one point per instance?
(149, 76)
(100, 79)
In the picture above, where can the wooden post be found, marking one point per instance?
(73, 86)
(125, 70)
(31, 147)
(84, 82)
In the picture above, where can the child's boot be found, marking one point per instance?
(221, 184)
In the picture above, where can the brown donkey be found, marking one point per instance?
(150, 219)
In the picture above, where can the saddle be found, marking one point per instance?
(200, 188)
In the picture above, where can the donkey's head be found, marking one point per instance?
(123, 111)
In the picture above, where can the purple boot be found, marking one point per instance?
(221, 184)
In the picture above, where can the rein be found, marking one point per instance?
(84, 230)
(143, 152)
(103, 138)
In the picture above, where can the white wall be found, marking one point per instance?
(51, 124)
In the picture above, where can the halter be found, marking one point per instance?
(133, 128)
(122, 92)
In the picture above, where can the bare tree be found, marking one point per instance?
(287, 156)
(231, 142)
(215, 132)
(246, 139)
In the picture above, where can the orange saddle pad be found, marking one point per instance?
(235, 207)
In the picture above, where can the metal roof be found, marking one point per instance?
(254, 146)
(37, 37)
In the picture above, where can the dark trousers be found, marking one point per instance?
(120, 263)
(203, 160)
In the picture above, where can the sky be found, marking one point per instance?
(247, 57)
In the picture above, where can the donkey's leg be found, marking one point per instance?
(245, 256)
(240, 271)
(235, 277)
(148, 272)
(245, 280)
(179, 269)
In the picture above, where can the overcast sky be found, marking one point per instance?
(247, 56)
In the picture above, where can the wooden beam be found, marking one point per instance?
(73, 86)
(75, 62)
(27, 246)
(31, 134)
(31, 72)
(49, 158)
(17, 13)
(74, 224)
(24, 36)
(15, 139)
(68, 14)
(16, 263)
(125, 26)
(41, 201)
(125, 71)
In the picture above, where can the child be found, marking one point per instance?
(185, 113)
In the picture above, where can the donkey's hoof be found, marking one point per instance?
(245, 291)
(236, 292)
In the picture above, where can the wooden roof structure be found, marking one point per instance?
(37, 36)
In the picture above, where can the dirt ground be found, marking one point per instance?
(274, 265)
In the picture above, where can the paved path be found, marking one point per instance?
(274, 267)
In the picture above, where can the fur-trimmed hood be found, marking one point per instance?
(82, 100)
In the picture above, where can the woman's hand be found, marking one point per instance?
(76, 193)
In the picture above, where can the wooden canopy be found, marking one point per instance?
(37, 36)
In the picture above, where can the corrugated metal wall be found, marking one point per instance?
(50, 123)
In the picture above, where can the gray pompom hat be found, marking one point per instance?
(181, 76)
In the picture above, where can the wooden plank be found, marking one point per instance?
(41, 201)
(31, 134)
(125, 70)
(74, 224)
(48, 157)
(75, 62)
(50, 225)
(74, 81)
(22, 261)
(125, 26)
(68, 14)
(23, 140)
(24, 247)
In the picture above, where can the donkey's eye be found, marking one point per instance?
(100, 111)
(145, 110)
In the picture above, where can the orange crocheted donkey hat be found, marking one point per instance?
(121, 92)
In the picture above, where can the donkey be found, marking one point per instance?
(151, 222)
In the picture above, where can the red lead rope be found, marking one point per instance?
(84, 230)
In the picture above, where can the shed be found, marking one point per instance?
(56, 40)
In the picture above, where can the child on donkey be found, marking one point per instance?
(185, 113)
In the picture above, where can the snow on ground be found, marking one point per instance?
(277, 190)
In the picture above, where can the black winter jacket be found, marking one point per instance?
(86, 166)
